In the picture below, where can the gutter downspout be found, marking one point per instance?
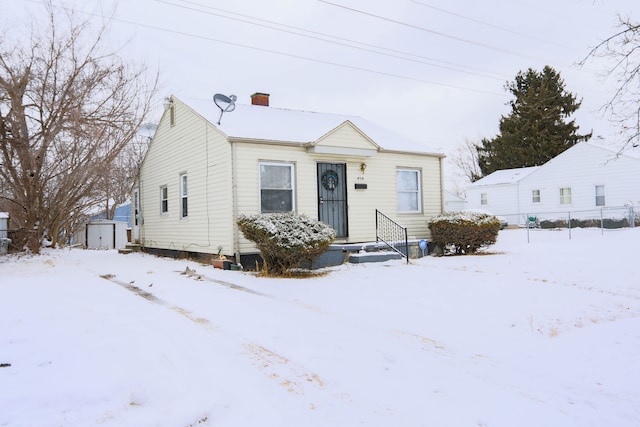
(234, 203)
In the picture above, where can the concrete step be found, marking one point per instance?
(379, 256)
(133, 247)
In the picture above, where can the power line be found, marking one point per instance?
(478, 21)
(427, 30)
(396, 53)
(275, 52)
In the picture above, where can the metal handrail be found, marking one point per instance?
(392, 234)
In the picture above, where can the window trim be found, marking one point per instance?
(600, 196)
(536, 196)
(484, 199)
(292, 172)
(164, 200)
(564, 197)
(417, 191)
(184, 195)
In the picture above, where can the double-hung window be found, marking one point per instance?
(483, 199)
(276, 187)
(164, 200)
(535, 196)
(184, 206)
(565, 196)
(600, 195)
(408, 190)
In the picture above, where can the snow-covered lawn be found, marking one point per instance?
(545, 333)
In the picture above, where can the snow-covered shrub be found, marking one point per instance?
(462, 233)
(285, 239)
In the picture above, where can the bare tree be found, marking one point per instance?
(68, 107)
(465, 161)
(623, 50)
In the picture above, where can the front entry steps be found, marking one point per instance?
(130, 247)
(359, 253)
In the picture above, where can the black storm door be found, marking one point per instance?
(332, 196)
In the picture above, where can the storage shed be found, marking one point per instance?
(4, 232)
(103, 234)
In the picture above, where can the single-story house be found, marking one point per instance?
(206, 166)
(586, 181)
(453, 202)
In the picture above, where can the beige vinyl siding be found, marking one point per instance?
(379, 175)
(346, 136)
(194, 147)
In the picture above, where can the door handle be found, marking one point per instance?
(321, 200)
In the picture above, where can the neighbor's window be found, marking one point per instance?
(565, 196)
(599, 195)
(483, 198)
(535, 196)
(408, 190)
(276, 187)
(184, 211)
(164, 199)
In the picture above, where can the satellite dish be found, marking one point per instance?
(147, 130)
(225, 103)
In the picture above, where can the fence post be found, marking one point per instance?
(528, 222)
(569, 213)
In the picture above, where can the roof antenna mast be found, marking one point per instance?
(225, 103)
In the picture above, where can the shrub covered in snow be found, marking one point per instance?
(285, 239)
(462, 233)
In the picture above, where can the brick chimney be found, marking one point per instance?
(260, 98)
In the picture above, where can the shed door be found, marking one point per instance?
(332, 196)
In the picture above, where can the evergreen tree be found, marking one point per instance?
(537, 129)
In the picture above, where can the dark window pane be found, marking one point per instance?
(276, 201)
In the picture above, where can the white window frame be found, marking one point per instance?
(164, 200)
(292, 190)
(565, 196)
(535, 196)
(484, 199)
(184, 196)
(600, 196)
(417, 191)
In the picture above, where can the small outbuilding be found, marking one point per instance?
(4, 232)
(102, 234)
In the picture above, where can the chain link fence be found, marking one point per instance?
(606, 218)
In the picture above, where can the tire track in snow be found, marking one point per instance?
(293, 377)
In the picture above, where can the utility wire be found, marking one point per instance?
(487, 24)
(285, 54)
(427, 30)
(396, 53)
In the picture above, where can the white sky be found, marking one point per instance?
(433, 70)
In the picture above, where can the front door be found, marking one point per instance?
(332, 196)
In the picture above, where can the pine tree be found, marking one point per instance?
(537, 129)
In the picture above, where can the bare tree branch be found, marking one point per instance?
(623, 107)
(68, 108)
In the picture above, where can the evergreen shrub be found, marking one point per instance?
(285, 239)
(462, 233)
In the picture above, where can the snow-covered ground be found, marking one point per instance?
(545, 333)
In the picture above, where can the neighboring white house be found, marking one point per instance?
(585, 181)
(453, 202)
(203, 170)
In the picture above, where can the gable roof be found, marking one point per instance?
(505, 176)
(512, 176)
(261, 123)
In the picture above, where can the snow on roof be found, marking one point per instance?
(302, 127)
(505, 176)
